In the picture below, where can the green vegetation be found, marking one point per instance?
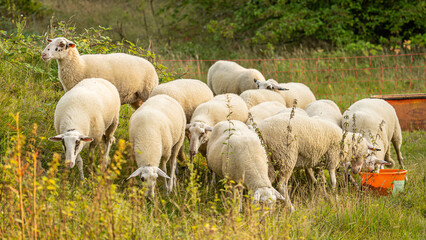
(237, 29)
(54, 204)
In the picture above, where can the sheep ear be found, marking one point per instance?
(372, 147)
(280, 88)
(71, 44)
(49, 40)
(208, 129)
(378, 161)
(85, 138)
(278, 195)
(57, 138)
(135, 173)
(161, 173)
(256, 81)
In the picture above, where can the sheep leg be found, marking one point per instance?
(109, 140)
(388, 157)
(333, 180)
(181, 156)
(175, 152)
(310, 175)
(79, 162)
(166, 181)
(283, 189)
(92, 147)
(397, 141)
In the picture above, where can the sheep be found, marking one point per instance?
(236, 152)
(264, 110)
(189, 93)
(297, 141)
(377, 119)
(294, 91)
(206, 116)
(325, 109)
(254, 97)
(157, 132)
(133, 76)
(88, 113)
(229, 77)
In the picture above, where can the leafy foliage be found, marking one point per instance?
(278, 22)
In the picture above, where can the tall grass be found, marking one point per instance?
(53, 203)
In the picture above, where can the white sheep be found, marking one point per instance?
(300, 142)
(230, 77)
(264, 110)
(235, 152)
(294, 91)
(208, 114)
(254, 97)
(88, 112)
(377, 120)
(325, 109)
(157, 131)
(189, 93)
(133, 76)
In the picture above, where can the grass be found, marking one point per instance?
(55, 204)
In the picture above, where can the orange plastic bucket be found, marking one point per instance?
(387, 181)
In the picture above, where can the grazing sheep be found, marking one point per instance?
(157, 131)
(206, 116)
(88, 112)
(294, 91)
(189, 93)
(238, 154)
(325, 109)
(229, 77)
(133, 76)
(254, 97)
(377, 120)
(263, 111)
(300, 142)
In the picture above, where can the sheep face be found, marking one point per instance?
(57, 49)
(372, 162)
(199, 133)
(267, 195)
(149, 177)
(269, 84)
(72, 143)
(365, 157)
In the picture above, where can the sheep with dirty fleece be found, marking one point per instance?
(254, 97)
(325, 109)
(230, 77)
(189, 93)
(208, 114)
(377, 120)
(235, 152)
(297, 141)
(264, 110)
(88, 113)
(294, 91)
(133, 76)
(157, 132)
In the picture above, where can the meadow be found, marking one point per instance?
(40, 198)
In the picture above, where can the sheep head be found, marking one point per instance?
(199, 133)
(72, 143)
(267, 195)
(269, 84)
(57, 48)
(149, 177)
